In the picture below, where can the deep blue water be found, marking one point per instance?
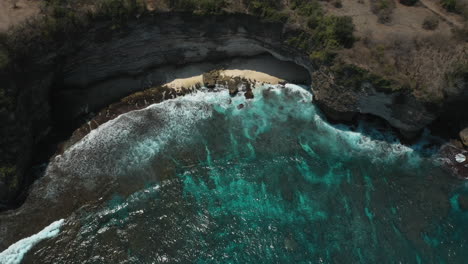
(270, 181)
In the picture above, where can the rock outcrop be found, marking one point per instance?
(464, 136)
(344, 94)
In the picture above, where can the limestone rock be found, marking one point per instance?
(342, 101)
(210, 79)
(464, 136)
(233, 87)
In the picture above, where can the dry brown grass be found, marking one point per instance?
(419, 63)
(13, 12)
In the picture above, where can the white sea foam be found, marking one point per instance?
(378, 150)
(132, 140)
(460, 158)
(15, 253)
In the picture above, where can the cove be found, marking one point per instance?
(210, 178)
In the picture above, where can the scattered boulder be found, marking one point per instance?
(233, 87)
(464, 136)
(211, 78)
(248, 93)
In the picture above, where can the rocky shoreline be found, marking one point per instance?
(453, 155)
(235, 81)
(57, 209)
(53, 207)
(235, 74)
(64, 92)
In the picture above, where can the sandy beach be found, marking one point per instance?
(259, 69)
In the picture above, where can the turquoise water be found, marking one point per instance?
(270, 181)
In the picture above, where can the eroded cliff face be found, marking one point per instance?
(64, 88)
(105, 65)
(400, 109)
(104, 71)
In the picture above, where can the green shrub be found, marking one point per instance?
(338, 4)
(8, 176)
(383, 9)
(307, 8)
(329, 34)
(4, 100)
(6, 172)
(211, 6)
(459, 74)
(450, 5)
(322, 57)
(430, 23)
(462, 33)
(120, 11)
(408, 2)
(202, 6)
(4, 59)
(353, 77)
(335, 32)
(301, 41)
(183, 5)
(267, 9)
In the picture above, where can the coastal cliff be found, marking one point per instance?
(66, 87)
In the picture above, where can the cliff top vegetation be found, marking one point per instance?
(414, 43)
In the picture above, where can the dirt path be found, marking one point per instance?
(451, 19)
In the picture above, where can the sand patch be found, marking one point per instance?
(259, 69)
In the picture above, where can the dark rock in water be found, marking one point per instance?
(233, 87)
(210, 79)
(464, 136)
(463, 202)
(240, 106)
(248, 93)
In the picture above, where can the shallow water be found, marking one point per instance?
(262, 181)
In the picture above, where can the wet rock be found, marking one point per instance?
(455, 160)
(248, 93)
(210, 79)
(233, 87)
(343, 93)
(240, 106)
(464, 136)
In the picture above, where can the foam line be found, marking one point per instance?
(15, 253)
